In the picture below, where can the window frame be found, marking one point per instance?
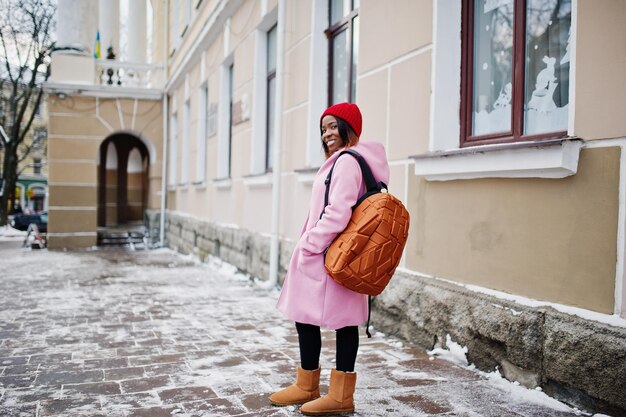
(184, 173)
(201, 157)
(231, 76)
(515, 134)
(37, 166)
(225, 122)
(332, 31)
(172, 176)
(269, 76)
(176, 35)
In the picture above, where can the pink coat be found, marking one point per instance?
(308, 294)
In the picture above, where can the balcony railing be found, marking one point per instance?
(128, 74)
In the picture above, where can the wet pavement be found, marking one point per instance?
(152, 333)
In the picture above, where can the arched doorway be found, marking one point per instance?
(123, 173)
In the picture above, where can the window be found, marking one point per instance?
(271, 96)
(202, 134)
(230, 117)
(39, 139)
(515, 70)
(225, 121)
(173, 151)
(188, 8)
(36, 165)
(343, 38)
(175, 23)
(184, 174)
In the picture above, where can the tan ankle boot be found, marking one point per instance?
(339, 398)
(306, 388)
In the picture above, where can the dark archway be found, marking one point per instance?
(123, 173)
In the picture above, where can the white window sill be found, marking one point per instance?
(263, 180)
(199, 185)
(223, 183)
(183, 186)
(306, 175)
(546, 159)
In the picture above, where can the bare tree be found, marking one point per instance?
(25, 47)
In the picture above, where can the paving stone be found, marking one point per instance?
(123, 373)
(19, 370)
(77, 406)
(128, 401)
(424, 404)
(109, 363)
(254, 401)
(95, 353)
(17, 360)
(21, 410)
(145, 384)
(63, 340)
(138, 351)
(214, 407)
(166, 369)
(153, 412)
(59, 378)
(103, 388)
(16, 381)
(177, 395)
(50, 358)
(149, 360)
(68, 366)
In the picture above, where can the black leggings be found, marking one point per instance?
(310, 341)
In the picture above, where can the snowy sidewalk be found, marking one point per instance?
(151, 333)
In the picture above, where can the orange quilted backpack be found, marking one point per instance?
(365, 255)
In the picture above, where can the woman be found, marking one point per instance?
(309, 296)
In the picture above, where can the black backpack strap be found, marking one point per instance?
(368, 177)
(369, 316)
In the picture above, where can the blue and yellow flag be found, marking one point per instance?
(97, 51)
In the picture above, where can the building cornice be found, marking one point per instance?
(210, 31)
(95, 90)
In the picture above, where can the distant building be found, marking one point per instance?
(503, 122)
(31, 188)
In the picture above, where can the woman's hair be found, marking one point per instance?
(347, 135)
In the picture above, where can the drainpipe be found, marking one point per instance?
(278, 122)
(165, 129)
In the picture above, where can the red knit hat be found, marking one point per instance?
(348, 112)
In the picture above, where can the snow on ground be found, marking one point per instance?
(208, 333)
(7, 233)
(455, 353)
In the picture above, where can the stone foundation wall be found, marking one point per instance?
(578, 361)
(248, 251)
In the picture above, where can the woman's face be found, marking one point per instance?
(330, 134)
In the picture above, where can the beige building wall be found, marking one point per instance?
(600, 92)
(547, 239)
(235, 198)
(553, 240)
(78, 126)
